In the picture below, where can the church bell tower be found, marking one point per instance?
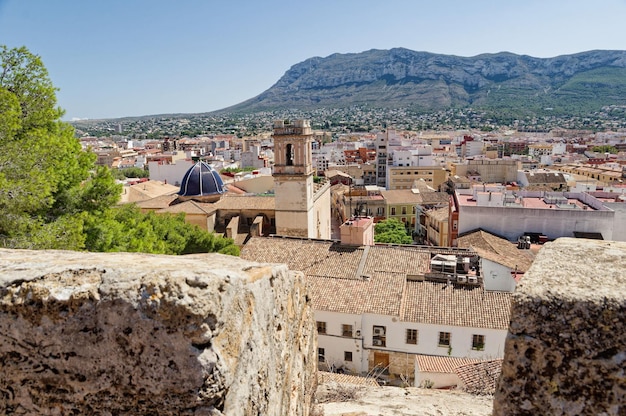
(293, 179)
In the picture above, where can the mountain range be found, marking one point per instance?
(425, 81)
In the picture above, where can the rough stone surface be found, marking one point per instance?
(566, 349)
(338, 399)
(87, 333)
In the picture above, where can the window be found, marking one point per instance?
(321, 355)
(321, 327)
(403, 210)
(393, 210)
(380, 211)
(444, 339)
(346, 330)
(347, 355)
(411, 336)
(478, 342)
(289, 155)
(414, 209)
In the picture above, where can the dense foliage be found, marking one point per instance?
(127, 229)
(133, 172)
(391, 231)
(237, 169)
(52, 196)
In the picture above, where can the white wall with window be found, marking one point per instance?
(428, 338)
(387, 333)
(342, 336)
(460, 341)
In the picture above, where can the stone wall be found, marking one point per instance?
(565, 353)
(87, 333)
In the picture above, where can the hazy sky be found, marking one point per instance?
(115, 58)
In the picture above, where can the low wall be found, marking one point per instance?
(135, 334)
(565, 353)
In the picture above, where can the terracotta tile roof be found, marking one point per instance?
(312, 257)
(189, 207)
(152, 189)
(235, 190)
(435, 198)
(414, 197)
(159, 202)
(326, 377)
(381, 294)
(456, 305)
(401, 196)
(441, 364)
(237, 202)
(397, 260)
(335, 275)
(481, 377)
(496, 249)
(334, 172)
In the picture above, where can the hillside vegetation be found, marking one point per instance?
(568, 84)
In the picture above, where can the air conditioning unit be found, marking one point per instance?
(379, 332)
(472, 279)
(377, 342)
(461, 279)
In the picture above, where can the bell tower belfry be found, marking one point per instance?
(297, 213)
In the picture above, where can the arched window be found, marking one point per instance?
(289, 157)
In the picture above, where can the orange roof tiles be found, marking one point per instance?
(456, 305)
(357, 280)
(496, 249)
(380, 295)
(481, 377)
(441, 364)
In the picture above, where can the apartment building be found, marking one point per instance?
(403, 177)
(513, 213)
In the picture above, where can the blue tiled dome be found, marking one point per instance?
(201, 180)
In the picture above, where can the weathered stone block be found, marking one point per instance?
(91, 333)
(565, 353)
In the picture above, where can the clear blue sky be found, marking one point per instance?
(115, 58)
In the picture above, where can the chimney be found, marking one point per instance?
(358, 231)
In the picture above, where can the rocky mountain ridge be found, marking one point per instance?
(404, 78)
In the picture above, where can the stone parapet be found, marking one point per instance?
(565, 353)
(136, 334)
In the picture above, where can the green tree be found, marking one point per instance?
(39, 157)
(52, 196)
(125, 228)
(133, 172)
(391, 231)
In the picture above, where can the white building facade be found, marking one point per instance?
(553, 214)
